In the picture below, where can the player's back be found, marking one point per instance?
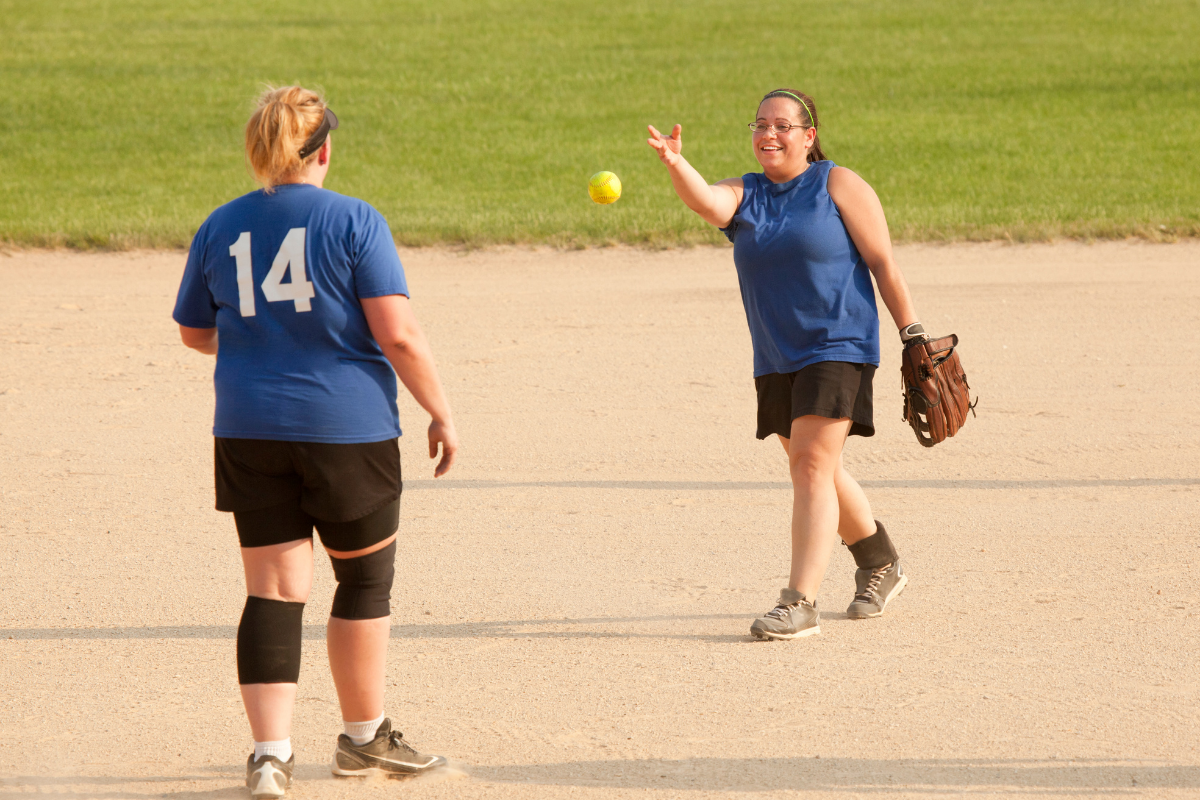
(281, 275)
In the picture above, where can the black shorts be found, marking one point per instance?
(278, 491)
(834, 389)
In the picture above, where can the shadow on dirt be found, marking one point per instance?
(727, 486)
(494, 629)
(928, 777)
(104, 787)
(1085, 777)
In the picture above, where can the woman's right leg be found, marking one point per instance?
(814, 456)
(855, 520)
(278, 573)
(856, 524)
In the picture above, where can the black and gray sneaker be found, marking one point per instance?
(875, 589)
(791, 618)
(387, 754)
(268, 776)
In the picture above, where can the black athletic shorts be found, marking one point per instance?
(834, 389)
(278, 491)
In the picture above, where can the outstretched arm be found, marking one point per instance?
(863, 216)
(395, 328)
(715, 204)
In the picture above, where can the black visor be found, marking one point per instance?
(320, 135)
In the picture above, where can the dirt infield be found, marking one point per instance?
(572, 603)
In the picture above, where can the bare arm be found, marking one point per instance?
(395, 328)
(715, 204)
(202, 340)
(863, 216)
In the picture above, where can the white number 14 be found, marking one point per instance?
(291, 254)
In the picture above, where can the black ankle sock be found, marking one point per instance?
(874, 551)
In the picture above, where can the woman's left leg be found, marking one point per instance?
(359, 625)
(358, 653)
(855, 519)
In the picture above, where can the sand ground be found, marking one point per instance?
(572, 604)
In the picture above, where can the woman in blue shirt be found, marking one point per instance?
(306, 430)
(807, 237)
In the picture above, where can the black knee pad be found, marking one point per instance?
(268, 641)
(364, 584)
(874, 551)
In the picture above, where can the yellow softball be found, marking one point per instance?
(604, 188)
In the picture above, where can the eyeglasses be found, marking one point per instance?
(782, 127)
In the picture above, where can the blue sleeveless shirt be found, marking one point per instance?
(807, 291)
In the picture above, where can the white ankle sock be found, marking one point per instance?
(363, 732)
(281, 749)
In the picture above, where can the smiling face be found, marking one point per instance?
(783, 156)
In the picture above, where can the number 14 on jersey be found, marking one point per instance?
(290, 255)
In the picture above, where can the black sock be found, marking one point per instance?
(874, 551)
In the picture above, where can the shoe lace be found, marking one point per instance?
(781, 611)
(872, 587)
(396, 742)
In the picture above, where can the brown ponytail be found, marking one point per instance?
(808, 117)
(282, 122)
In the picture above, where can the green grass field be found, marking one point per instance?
(480, 122)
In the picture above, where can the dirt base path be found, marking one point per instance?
(572, 604)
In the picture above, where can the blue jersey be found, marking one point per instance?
(806, 289)
(280, 276)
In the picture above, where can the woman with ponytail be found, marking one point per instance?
(306, 431)
(807, 237)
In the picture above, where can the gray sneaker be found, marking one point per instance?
(876, 588)
(387, 754)
(792, 617)
(269, 777)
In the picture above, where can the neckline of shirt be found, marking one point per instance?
(778, 188)
(291, 186)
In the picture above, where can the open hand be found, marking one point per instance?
(443, 433)
(667, 147)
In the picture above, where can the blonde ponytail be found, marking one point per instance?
(282, 122)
